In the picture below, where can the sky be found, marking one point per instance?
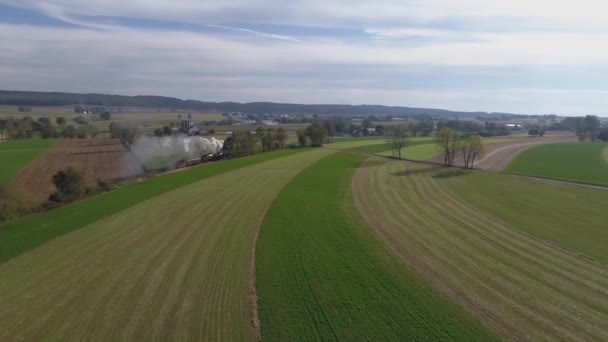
(517, 56)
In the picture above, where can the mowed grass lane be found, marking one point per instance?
(521, 286)
(175, 267)
(581, 162)
(323, 276)
(16, 154)
(570, 216)
(28, 232)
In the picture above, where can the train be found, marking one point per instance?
(205, 158)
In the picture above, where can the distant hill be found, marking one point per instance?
(27, 98)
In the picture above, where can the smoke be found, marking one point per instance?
(164, 151)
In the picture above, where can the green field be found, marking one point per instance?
(314, 244)
(322, 275)
(28, 232)
(573, 217)
(16, 154)
(581, 162)
(418, 148)
(520, 285)
(175, 267)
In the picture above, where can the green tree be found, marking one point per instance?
(158, 132)
(68, 183)
(448, 142)
(240, 144)
(60, 121)
(316, 133)
(106, 115)
(302, 138)
(69, 132)
(331, 130)
(281, 137)
(398, 137)
(471, 148)
(425, 127)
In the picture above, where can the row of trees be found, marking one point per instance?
(28, 128)
(244, 143)
(452, 143)
(588, 127)
(488, 128)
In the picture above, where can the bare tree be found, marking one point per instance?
(398, 137)
(472, 147)
(448, 141)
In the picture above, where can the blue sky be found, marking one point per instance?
(505, 56)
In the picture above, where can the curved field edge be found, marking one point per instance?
(578, 162)
(174, 267)
(28, 232)
(17, 154)
(569, 216)
(521, 286)
(322, 275)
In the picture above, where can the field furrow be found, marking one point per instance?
(520, 285)
(174, 267)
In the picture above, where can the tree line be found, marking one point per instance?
(244, 143)
(25, 98)
(45, 128)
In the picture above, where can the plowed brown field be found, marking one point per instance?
(95, 158)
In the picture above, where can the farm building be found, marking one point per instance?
(189, 128)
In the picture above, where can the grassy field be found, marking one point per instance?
(322, 275)
(521, 286)
(16, 154)
(175, 267)
(28, 232)
(572, 217)
(418, 149)
(582, 162)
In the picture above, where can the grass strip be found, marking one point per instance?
(322, 275)
(581, 162)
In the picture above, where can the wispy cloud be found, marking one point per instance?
(434, 53)
(256, 33)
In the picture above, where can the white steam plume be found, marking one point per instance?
(172, 148)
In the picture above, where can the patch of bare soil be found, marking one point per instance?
(96, 159)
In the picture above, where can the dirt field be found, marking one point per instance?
(95, 158)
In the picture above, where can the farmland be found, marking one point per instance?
(95, 158)
(191, 247)
(23, 234)
(582, 162)
(307, 244)
(17, 154)
(521, 286)
(323, 276)
(569, 216)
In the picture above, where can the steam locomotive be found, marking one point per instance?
(205, 158)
